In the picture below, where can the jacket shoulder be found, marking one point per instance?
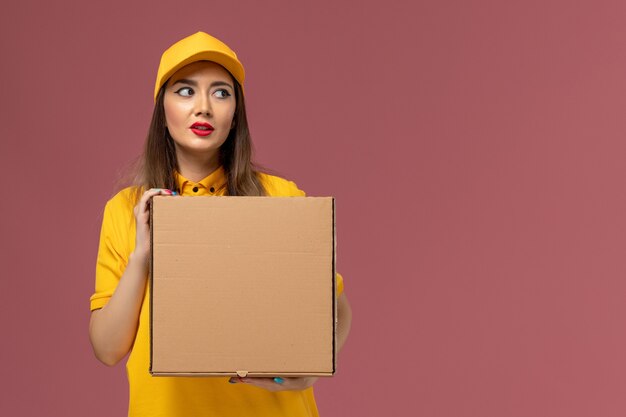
(124, 200)
(280, 187)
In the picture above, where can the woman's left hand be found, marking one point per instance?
(278, 383)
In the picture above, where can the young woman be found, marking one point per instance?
(198, 144)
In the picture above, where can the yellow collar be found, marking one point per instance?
(213, 184)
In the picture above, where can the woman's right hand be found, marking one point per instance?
(142, 222)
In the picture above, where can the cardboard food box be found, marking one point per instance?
(243, 286)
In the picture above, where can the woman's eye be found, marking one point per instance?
(222, 93)
(185, 92)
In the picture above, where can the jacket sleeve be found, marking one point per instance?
(113, 250)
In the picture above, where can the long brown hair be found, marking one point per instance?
(157, 165)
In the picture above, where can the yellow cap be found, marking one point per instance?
(198, 47)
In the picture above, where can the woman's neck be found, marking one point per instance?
(196, 167)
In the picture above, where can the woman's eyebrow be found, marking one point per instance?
(195, 84)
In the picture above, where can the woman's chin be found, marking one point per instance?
(199, 147)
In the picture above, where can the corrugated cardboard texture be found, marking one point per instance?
(243, 284)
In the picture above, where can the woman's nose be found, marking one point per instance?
(203, 104)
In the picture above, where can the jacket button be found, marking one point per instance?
(212, 189)
(195, 189)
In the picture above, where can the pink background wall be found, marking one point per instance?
(476, 150)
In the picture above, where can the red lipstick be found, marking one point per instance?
(201, 128)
